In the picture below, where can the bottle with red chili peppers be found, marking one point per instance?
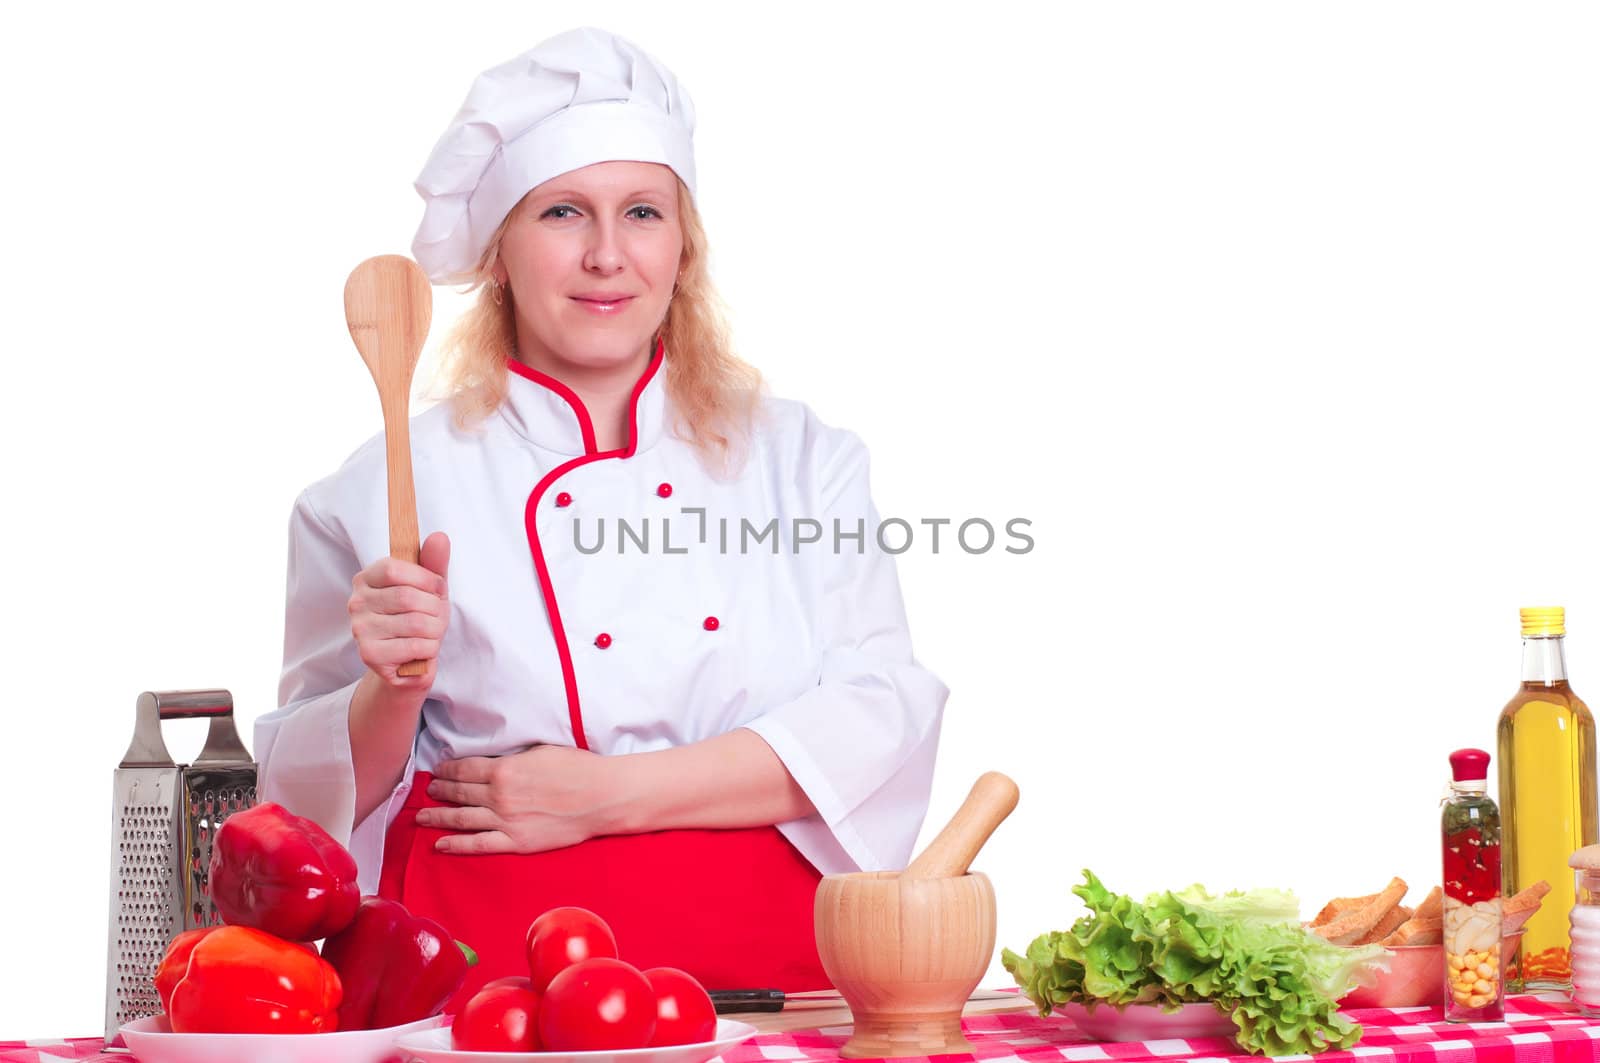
(1475, 983)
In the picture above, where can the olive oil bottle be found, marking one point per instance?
(1547, 796)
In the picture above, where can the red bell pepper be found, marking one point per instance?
(243, 980)
(282, 873)
(175, 964)
(395, 967)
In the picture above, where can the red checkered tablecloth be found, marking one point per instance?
(1535, 1031)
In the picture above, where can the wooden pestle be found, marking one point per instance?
(388, 306)
(992, 798)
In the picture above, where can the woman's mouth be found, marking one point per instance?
(603, 304)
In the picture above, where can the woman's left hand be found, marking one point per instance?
(546, 797)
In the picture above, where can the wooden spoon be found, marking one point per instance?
(388, 305)
(992, 798)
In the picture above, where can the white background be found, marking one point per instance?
(1276, 319)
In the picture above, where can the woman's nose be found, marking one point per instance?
(604, 254)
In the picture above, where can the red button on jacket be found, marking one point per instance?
(712, 623)
(665, 490)
(602, 640)
(563, 499)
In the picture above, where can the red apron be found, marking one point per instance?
(734, 908)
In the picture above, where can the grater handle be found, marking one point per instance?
(188, 704)
(148, 749)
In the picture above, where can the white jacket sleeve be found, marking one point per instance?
(303, 747)
(861, 743)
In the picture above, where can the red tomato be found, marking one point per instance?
(597, 1005)
(684, 1012)
(562, 937)
(516, 981)
(502, 1019)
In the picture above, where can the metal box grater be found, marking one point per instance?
(163, 818)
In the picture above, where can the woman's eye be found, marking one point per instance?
(645, 212)
(552, 212)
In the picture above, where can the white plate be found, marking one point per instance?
(1147, 1022)
(152, 1041)
(433, 1046)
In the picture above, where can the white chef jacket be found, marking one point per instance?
(808, 646)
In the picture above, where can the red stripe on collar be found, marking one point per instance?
(585, 422)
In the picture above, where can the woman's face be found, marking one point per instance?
(591, 258)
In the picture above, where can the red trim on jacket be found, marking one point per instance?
(584, 423)
(531, 513)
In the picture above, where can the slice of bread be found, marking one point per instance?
(1355, 924)
(1387, 925)
(1432, 906)
(1516, 910)
(1339, 906)
(1418, 930)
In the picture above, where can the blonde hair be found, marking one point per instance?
(714, 393)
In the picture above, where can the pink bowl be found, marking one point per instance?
(1415, 977)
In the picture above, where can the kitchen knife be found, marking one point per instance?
(732, 1001)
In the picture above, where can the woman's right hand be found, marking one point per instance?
(399, 613)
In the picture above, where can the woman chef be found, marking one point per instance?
(681, 730)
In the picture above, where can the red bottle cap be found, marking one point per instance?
(1469, 764)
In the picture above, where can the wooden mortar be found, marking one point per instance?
(906, 949)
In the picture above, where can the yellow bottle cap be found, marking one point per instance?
(1551, 620)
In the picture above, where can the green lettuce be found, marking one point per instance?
(1245, 952)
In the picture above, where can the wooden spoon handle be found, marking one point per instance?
(404, 539)
(992, 798)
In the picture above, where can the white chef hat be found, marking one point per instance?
(583, 97)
